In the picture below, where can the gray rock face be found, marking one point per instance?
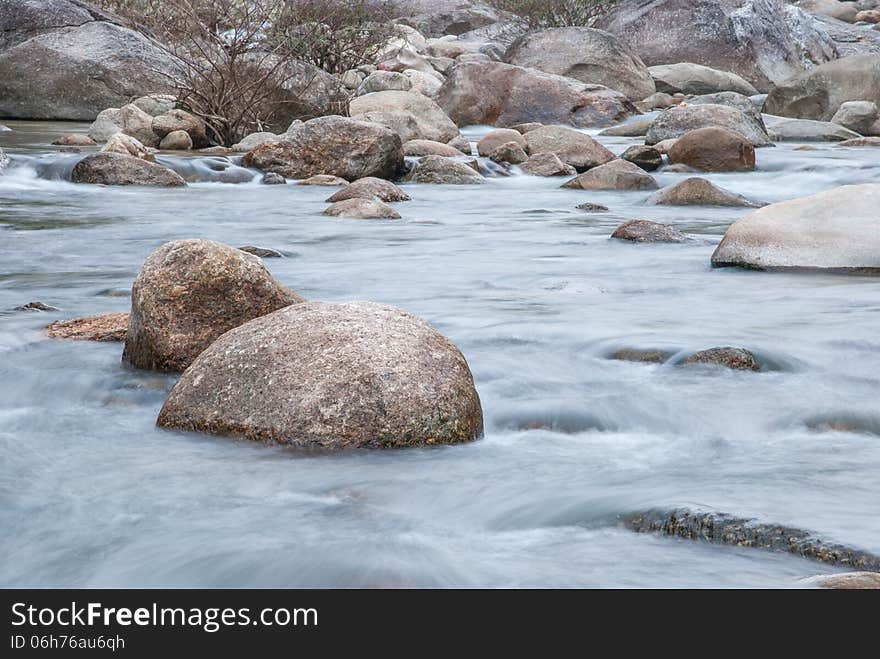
(726, 529)
(585, 54)
(818, 93)
(65, 60)
(644, 231)
(572, 147)
(431, 122)
(108, 168)
(437, 169)
(330, 375)
(505, 95)
(689, 78)
(810, 232)
(763, 41)
(188, 293)
(697, 192)
(337, 146)
(676, 121)
(615, 175)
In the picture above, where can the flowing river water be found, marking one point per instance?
(536, 296)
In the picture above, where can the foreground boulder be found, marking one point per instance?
(63, 59)
(644, 231)
(834, 230)
(109, 168)
(330, 375)
(763, 41)
(431, 122)
(713, 149)
(585, 54)
(106, 327)
(697, 192)
(615, 175)
(676, 121)
(819, 93)
(505, 95)
(333, 145)
(695, 79)
(188, 293)
(572, 147)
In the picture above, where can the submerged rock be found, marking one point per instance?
(738, 359)
(330, 375)
(363, 209)
(370, 188)
(36, 306)
(188, 293)
(644, 231)
(117, 169)
(698, 192)
(713, 149)
(106, 327)
(337, 146)
(262, 252)
(590, 207)
(721, 528)
(648, 356)
(615, 175)
(810, 232)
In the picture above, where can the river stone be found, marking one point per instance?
(819, 93)
(181, 120)
(381, 81)
(262, 252)
(176, 140)
(590, 207)
(571, 146)
(509, 152)
(424, 83)
(118, 169)
(66, 60)
(738, 359)
(188, 293)
(127, 145)
(657, 101)
(547, 164)
(323, 179)
(585, 54)
(431, 121)
(647, 356)
(493, 139)
(106, 327)
(522, 129)
(678, 120)
(429, 148)
(808, 130)
(634, 128)
(861, 141)
(835, 229)
(696, 191)
(615, 175)
(333, 145)
(713, 149)
(362, 209)
(731, 99)
(271, 178)
(330, 375)
(35, 306)
(462, 144)
(763, 41)
(370, 188)
(846, 581)
(254, 140)
(644, 231)
(504, 95)
(695, 79)
(156, 104)
(75, 139)
(646, 157)
(437, 169)
(128, 119)
(858, 116)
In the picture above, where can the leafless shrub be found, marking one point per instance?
(555, 13)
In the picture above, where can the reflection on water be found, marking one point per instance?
(536, 296)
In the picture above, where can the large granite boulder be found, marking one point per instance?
(763, 41)
(188, 293)
(505, 95)
(63, 59)
(832, 230)
(111, 168)
(431, 122)
(585, 54)
(330, 375)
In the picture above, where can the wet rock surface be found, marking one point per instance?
(106, 327)
(644, 231)
(737, 359)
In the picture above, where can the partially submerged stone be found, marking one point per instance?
(738, 359)
(119, 169)
(697, 191)
(713, 149)
(363, 209)
(437, 169)
(370, 188)
(648, 356)
(330, 375)
(105, 327)
(644, 231)
(615, 175)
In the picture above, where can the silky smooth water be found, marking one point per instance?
(536, 296)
